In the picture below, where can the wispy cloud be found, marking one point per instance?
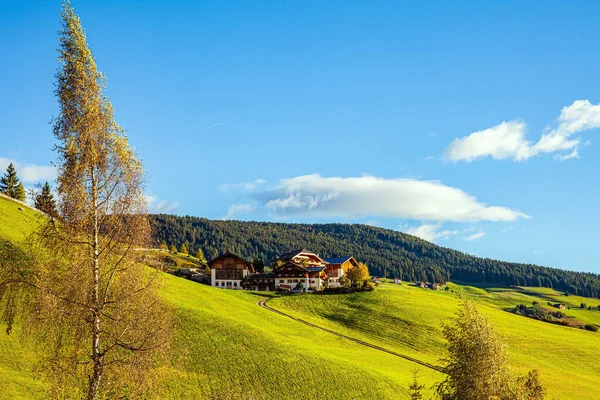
(568, 156)
(247, 186)
(430, 232)
(475, 236)
(214, 125)
(507, 140)
(237, 209)
(159, 206)
(29, 172)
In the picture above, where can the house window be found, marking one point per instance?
(295, 280)
(234, 284)
(222, 283)
(289, 281)
(228, 283)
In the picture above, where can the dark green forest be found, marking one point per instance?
(386, 252)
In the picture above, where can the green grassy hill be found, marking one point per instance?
(226, 347)
(407, 319)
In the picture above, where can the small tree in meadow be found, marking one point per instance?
(358, 274)
(477, 365)
(415, 386)
(44, 201)
(10, 184)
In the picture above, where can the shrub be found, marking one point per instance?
(590, 327)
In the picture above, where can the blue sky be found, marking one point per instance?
(471, 124)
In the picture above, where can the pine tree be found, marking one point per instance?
(9, 183)
(173, 249)
(20, 192)
(44, 201)
(184, 249)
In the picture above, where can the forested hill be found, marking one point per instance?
(385, 251)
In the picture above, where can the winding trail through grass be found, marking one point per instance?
(263, 303)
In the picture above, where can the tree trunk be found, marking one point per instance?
(96, 357)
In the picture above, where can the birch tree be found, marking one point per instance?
(93, 309)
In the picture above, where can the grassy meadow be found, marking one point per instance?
(408, 320)
(226, 347)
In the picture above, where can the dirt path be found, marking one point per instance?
(263, 303)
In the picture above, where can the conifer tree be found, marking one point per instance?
(173, 249)
(200, 256)
(44, 201)
(20, 192)
(9, 183)
(184, 249)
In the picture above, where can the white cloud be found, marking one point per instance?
(365, 196)
(475, 236)
(429, 158)
(236, 209)
(430, 232)
(568, 156)
(158, 206)
(507, 140)
(29, 172)
(214, 125)
(501, 141)
(247, 186)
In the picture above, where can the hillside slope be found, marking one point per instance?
(385, 251)
(226, 347)
(408, 319)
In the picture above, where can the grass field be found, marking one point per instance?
(226, 347)
(408, 319)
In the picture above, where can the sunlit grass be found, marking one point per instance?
(409, 319)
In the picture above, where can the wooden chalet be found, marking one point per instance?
(302, 257)
(228, 270)
(262, 281)
(289, 274)
(338, 267)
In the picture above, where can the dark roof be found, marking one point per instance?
(291, 254)
(228, 254)
(338, 260)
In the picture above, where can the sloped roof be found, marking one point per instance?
(228, 254)
(291, 254)
(338, 260)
